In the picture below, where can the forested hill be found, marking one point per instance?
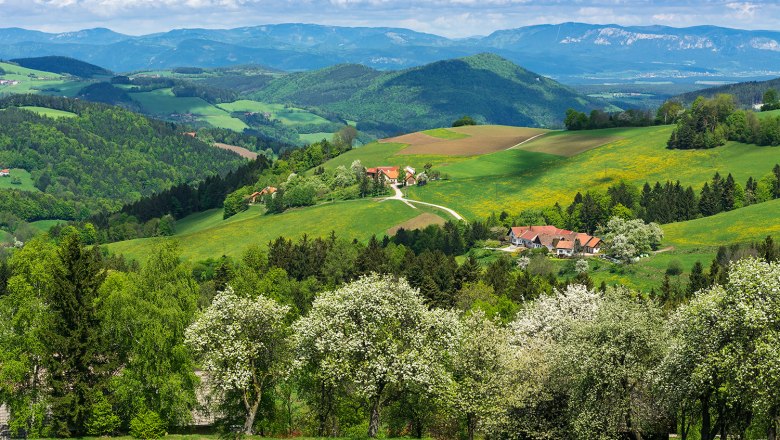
(746, 93)
(63, 65)
(489, 88)
(99, 158)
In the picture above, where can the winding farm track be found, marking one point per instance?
(400, 196)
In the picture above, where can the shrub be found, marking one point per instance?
(102, 420)
(147, 425)
(674, 268)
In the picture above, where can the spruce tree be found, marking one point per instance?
(697, 279)
(468, 272)
(77, 363)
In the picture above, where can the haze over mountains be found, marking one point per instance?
(569, 52)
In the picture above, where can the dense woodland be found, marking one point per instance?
(102, 159)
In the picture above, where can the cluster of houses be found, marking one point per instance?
(8, 82)
(561, 242)
(393, 175)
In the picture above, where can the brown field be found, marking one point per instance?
(241, 151)
(567, 144)
(482, 139)
(419, 222)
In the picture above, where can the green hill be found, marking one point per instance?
(206, 235)
(99, 157)
(487, 87)
(63, 65)
(746, 93)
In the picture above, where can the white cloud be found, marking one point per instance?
(743, 10)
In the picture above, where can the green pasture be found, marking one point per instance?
(384, 154)
(50, 112)
(205, 235)
(45, 225)
(164, 102)
(23, 175)
(514, 180)
(287, 115)
(310, 138)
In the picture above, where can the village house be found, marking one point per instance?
(8, 82)
(561, 242)
(411, 174)
(5, 172)
(258, 195)
(390, 174)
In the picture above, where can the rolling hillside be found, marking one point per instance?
(489, 88)
(206, 235)
(63, 65)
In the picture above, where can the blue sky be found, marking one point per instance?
(457, 18)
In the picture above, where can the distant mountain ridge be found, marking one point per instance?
(485, 86)
(571, 52)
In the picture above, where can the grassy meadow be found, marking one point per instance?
(517, 179)
(206, 235)
(23, 175)
(288, 115)
(50, 112)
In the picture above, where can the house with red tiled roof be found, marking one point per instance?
(390, 174)
(268, 190)
(562, 242)
(5, 172)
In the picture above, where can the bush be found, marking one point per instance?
(102, 420)
(674, 268)
(147, 425)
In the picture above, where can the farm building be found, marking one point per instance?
(252, 199)
(5, 172)
(390, 174)
(410, 178)
(560, 241)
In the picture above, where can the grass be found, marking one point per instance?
(384, 154)
(45, 225)
(23, 175)
(311, 138)
(50, 112)
(568, 144)
(287, 115)
(164, 102)
(443, 133)
(514, 180)
(204, 235)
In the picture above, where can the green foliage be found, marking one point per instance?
(105, 93)
(599, 119)
(102, 159)
(464, 120)
(102, 420)
(64, 65)
(147, 425)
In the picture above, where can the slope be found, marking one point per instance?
(205, 235)
(99, 158)
(489, 88)
(746, 93)
(62, 65)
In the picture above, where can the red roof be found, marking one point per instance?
(5, 170)
(390, 172)
(565, 244)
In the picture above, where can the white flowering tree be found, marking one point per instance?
(377, 335)
(726, 349)
(629, 239)
(481, 370)
(243, 343)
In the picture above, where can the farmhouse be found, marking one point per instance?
(410, 178)
(390, 174)
(562, 242)
(191, 134)
(5, 173)
(252, 199)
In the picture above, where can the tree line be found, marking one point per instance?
(709, 123)
(661, 203)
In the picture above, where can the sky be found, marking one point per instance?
(456, 18)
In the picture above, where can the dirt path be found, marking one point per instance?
(400, 197)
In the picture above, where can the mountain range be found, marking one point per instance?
(569, 52)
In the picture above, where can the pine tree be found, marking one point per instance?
(468, 272)
(727, 196)
(78, 364)
(697, 279)
(372, 259)
(706, 201)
